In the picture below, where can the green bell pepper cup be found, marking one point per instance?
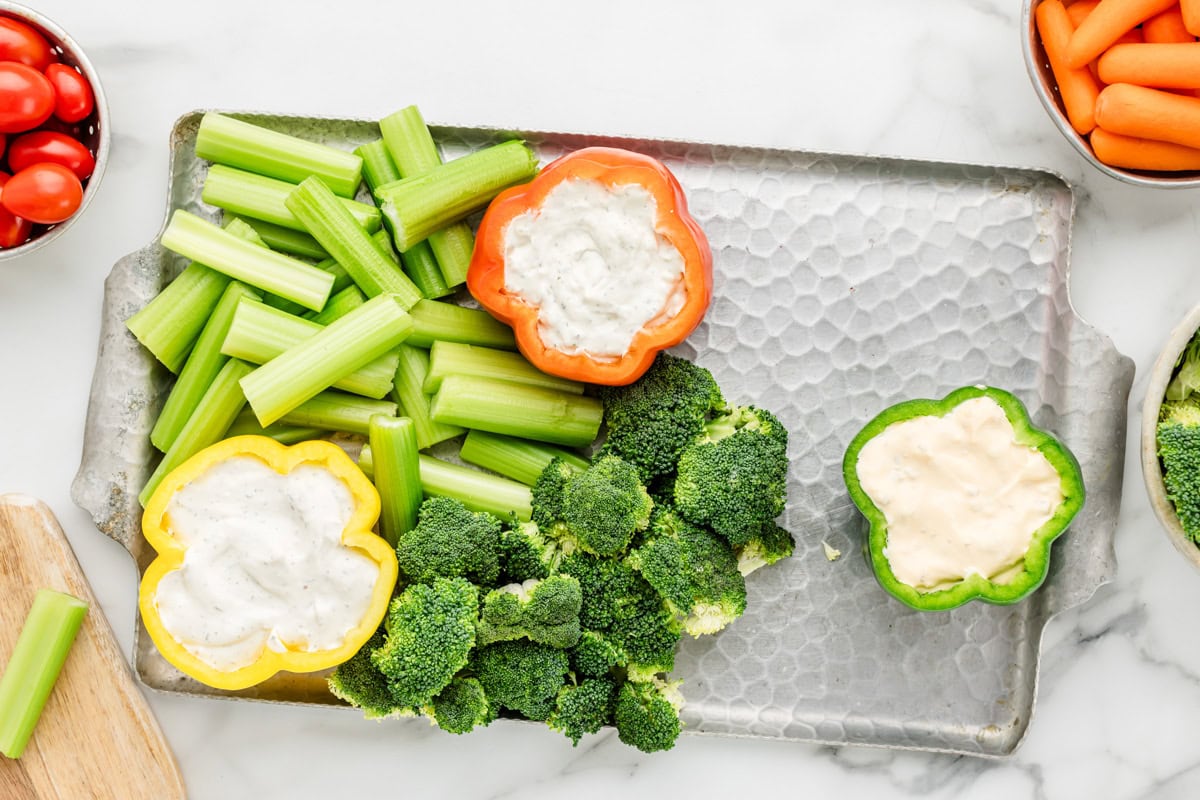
(1036, 563)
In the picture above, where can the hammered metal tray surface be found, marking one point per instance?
(842, 284)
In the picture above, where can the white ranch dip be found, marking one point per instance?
(264, 565)
(960, 495)
(592, 262)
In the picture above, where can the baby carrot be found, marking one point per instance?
(1190, 11)
(1078, 11)
(1149, 114)
(1166, 28)
(1106, 24)
(1133, 153)
(1166, 66)
(1076, 87)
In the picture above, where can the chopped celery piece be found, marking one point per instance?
(243, 230)
(259, 333)
(422, 204)
(286, 240)
(249, 195)
(201, 368)
(397, 474)
(340, 305)
(414, 403)
(455, 358)
(362, 257)
(316, 363)
(242, 144)
(421, 265)
(246, 424)
(33, 668)
(452, 247)
(519, 459)
(190, 236)
(478, 491)
(446, 322)
(378, 167)
(530, 412)
(338, 411)
(213, 415)
(168, 325)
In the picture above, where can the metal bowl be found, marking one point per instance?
(1160, 376)
(94, 129)
(1047, 91)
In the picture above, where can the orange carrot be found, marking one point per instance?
(1149, 114)
(1166, 28)
(1077, 87)
(1166, 66)
(1078, 11)
(1106, 24)
(1190, 11)
(1133, 153)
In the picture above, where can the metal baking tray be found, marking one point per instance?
(843, 284)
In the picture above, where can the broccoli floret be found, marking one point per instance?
(361, 685)
(733, 478)
(461, 706)
(653, 419)
(604, 506)
(430, 633)
(585, 708)
(525, 554)
(544, 611)
(694, 570)
(596, 655)
(548, 492)
(450, 541)
(647, 714)
(1178, 439)
(521, 675)
(772, 543)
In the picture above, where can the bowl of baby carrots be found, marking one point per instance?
(1121, 80)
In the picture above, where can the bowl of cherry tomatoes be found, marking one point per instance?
(53, 130)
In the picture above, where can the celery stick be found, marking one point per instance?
(332, 226)
(420, 205)
(455, 358)
(242, 144)
(378, 167)
(337, 350)
(411, 147)
(201, 368)
(36, 661)
(338, 411)
(168, 325)
(213, 415)
(259, 333)
(435, 321)
(340, 305)
(246, 424)
(478, 491)
(519, 459)
(243, 230)
(530, 412)
(273, 272)
(249, 195)
(421, 265)
(414, 403)
(286, 240)
(397, 474)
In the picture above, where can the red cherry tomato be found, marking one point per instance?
(21, 43)
(45, 193)
(41, 147)
(26, 97)
(13, 229)
(73, 98)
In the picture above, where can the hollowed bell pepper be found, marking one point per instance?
(1013, 584)
(611, 167)
(357, 535)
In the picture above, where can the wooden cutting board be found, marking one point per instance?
(97, 737)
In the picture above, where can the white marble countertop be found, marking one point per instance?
(932, 79)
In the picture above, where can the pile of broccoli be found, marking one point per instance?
(574, 617)
(1178, 438)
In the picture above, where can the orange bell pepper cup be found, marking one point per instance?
(610, 167)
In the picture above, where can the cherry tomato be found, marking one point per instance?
(13, 229)
(73, 98)
(50, 147)
(21, 43)
(45, 193)
(26, 97)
